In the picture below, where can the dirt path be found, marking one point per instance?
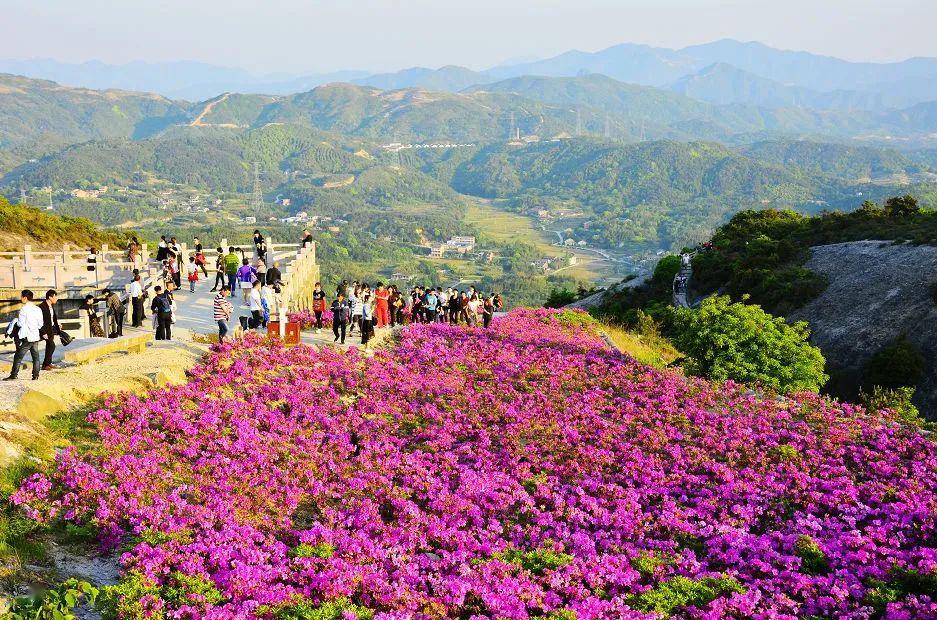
(207, 110)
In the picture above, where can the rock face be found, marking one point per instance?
(878, 291)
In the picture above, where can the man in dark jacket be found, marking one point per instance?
(341, 313)
(50, 327)
(274, 277)
(162, 309)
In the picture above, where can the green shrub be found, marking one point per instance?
(537, 561)
(670, 596)
(304, 609)
(902, 583)
(319, 550)
(647, 563)
(122, 601)
(902, 206)
(896, 365)
(183, 589)
(55, 604)
(724, 340)
(813, 560)
(898, 400)
(559, 298)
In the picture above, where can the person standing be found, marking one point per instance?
(261, 270)
(307, 238)
(115, 310)
(221, 312)
(255, 305)
(133, 248)
(381, 305)
(200, 259)
(367, 319)
(231, 264)
(191, 273)
(488, 311)
(50, 327)
(162, 313)
(246, 277)
(90, 310)
(29, 326)
(430, 301)
(219, 270)
(136, 301)
(161, 248)
(274, 277)
(356, 304)
(318, 305)
(341, 312)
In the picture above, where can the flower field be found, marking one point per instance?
(523, 471)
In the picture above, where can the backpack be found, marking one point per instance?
(163, 304)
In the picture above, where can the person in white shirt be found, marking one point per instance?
(136, 301)
(29, 320)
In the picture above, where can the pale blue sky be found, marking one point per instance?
(325, 35)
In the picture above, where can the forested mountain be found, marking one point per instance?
(32, 110)
(655, 192)
(850, 163)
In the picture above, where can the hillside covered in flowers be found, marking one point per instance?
(524, 471)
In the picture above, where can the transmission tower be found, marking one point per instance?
(643, 131)
(608, 127)
(257, 197)
(513, 126)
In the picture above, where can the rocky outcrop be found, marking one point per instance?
(877, 292)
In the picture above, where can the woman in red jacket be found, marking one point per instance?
(381, 306)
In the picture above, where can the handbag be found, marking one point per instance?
(65, 338)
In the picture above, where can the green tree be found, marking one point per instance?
(900, 206)
(724, 340)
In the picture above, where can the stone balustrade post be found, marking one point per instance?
(66, 248)
(17, 269)
(27, 256)
(57, 276)
(103, 253)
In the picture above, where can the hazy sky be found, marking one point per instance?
(324, 35)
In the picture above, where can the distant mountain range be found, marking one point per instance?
(722, 72)
(36, 112)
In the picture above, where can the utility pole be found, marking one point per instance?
(51, 191)
(257, 197)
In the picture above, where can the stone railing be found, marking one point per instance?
(66, 269)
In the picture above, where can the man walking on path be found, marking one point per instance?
(28, 324)
(222, 312)
(341, 312)
(50, 327)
